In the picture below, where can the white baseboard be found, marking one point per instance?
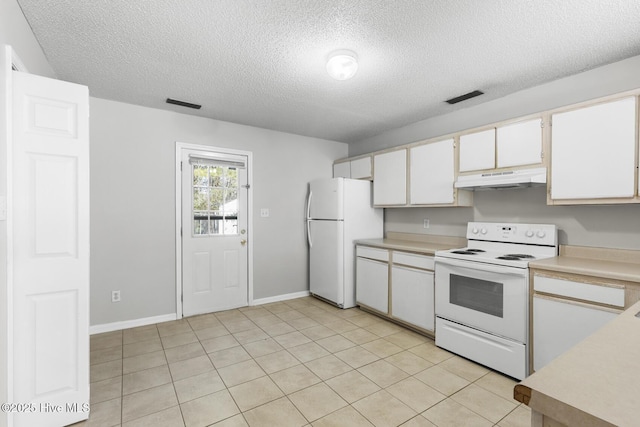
(126, 324)
(116, 326)
(279, 298)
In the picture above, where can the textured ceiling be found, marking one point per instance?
(262, 63)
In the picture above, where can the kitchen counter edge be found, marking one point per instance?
(570, 388)
(422, 244)
(605, 263)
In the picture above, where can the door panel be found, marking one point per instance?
(326, 199)
(432, 173)
(214, 231)
(51, 249)
(326, 266)
(519, 144)
(593, 151)
(478, 151)
(372, 284)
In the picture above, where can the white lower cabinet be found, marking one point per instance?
(412, 296)
(567, 311)
(397, 284)
(559, 324)
(372, 284)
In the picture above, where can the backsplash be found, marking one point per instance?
(612, 226)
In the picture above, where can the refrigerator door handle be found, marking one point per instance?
(309, 219)
(309, 204)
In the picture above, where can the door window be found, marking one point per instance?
(214, 200)
(476, 294)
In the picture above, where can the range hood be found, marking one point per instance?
(503, 180)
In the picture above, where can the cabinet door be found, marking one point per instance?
(519, 144)
(342, 170)
(412, 296)
(432, 173)
(593, 151)
(361, 168)
(390, 180)
(478, 151)
(559, 325)
(372, 284)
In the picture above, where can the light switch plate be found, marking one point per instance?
(264, 212)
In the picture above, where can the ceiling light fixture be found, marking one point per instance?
(342, 64)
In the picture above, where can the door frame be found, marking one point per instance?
(178, 204)
(9, 60)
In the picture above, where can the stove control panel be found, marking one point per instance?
(537, 234)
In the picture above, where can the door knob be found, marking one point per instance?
(243, 242)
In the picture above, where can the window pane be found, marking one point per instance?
(200, 176)
(216, 226)
(200, 196)
(216, 174)
(200, 227)
(216, 199)
(230, 226)
(232, 178)
(231, 199)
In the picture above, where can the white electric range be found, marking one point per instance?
(482, 293)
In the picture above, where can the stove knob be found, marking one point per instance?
(474, 230)
(541, 234)
(529, 233)
(483, 230)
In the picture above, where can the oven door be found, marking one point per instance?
(487, 297)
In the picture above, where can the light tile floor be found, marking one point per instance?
(296, 363)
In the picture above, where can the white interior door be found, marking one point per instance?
(50, 250)
(215, 235)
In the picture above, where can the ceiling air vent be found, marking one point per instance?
(183, 103)
(464, 97)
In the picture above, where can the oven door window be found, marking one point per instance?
(476, 294)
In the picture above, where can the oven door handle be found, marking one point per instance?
(490, 268)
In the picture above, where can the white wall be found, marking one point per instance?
(613, 226)
(14, 31)
(616, 226)
(602, 81)
(133, 204)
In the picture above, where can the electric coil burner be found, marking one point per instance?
(482, 293)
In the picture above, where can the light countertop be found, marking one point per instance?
(419, 243)
(605, 263)
(596, 382)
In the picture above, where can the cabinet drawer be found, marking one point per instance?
(372, 253)
(583, 291)
(413, 260)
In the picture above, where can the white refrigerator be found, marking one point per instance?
(339, 211)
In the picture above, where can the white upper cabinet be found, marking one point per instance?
(432, 173)
(478, 151)
(361, 168)
(390, 178)
(593, 152)
(342, 170)
(519, 144)
(356, 169)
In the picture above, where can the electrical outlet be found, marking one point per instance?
(264, 212)
(425, 224)
(115, 296)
